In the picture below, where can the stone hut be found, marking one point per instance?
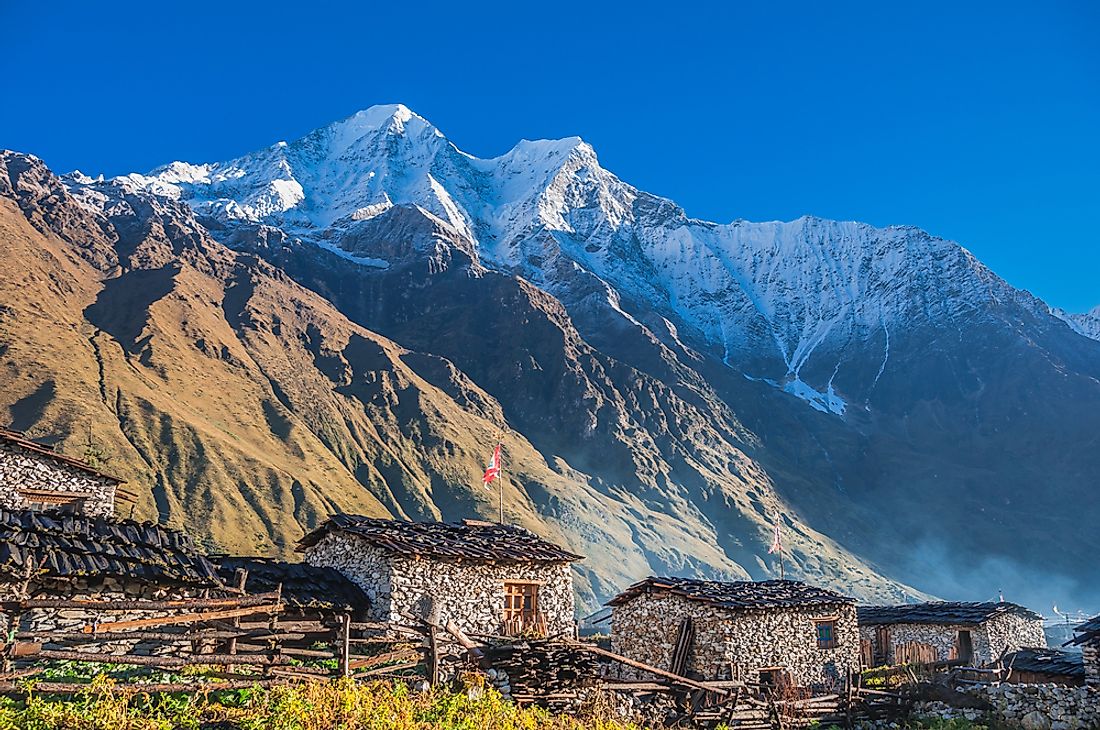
(1087, 636)
(309, 592)
(974, 633)
(487, 578)
(60, 556)
(1044, 666)
(773, 632)
(34, 476)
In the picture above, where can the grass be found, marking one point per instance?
(333, 705)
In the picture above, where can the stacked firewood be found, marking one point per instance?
(544, 671)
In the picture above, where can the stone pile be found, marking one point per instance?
(1028, 706)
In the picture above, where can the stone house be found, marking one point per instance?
(59, 556)
(1087, 636)
(975, 633)
(774, 632)
(34, 476)
(487, 578)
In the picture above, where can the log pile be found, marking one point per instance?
(544, 671)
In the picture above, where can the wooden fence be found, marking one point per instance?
(244, 639)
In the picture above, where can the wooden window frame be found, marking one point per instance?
(44, 499)
(831, 642)
(521, 616)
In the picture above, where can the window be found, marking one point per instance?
(521, 608)
(826, 633)
(41, 500)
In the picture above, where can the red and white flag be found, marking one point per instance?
(492, 471)
(777, 540)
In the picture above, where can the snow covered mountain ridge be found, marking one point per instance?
(781, 302)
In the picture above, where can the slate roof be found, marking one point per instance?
(1086, 632)
(486, 542)
(736, 595)
(1047, 661)
(941, 612)
(305, 587)
(70, 546)
(17, 438)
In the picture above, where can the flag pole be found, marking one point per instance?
(500, 487)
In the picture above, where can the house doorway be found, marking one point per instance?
(964, 646)
(882, 646)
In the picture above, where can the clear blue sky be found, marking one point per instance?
(978, 122)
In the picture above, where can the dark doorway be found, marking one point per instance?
(965, 645)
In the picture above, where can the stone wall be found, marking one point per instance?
(1090, 652)
(363, 564)
(471, 594)
(1000, 634)
(45, 621)
(645, 629)
(1031, 706)
(24, 469)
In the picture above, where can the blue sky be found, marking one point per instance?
(979, 122)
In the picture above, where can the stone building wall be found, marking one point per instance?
(471, 594)
(1010, 632)
(1003, 633)
(645, 629)
(24, 469)
(363, 564)
(1090, 652)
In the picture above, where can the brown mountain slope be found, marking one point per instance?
(245, 407)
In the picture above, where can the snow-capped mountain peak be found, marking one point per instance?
(800, 295)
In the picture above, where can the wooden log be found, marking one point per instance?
(151, 688)
(158, 661)
(144, 605)
(284, 669)
(648, 668)
(24, 649)
(393, 656)
(634, 686)
(471, 648)
(74, 637)
(243, 648)
(389, 669)
(21, 674)
(187, 618)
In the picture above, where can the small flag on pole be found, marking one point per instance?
(777, 540)
(492, 470)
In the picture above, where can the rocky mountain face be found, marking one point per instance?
(1086, 323)
(347, 320)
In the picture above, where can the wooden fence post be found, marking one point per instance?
(242, 578)
(345, 645)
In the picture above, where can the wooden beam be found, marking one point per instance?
(646, 667)
(141, 605)
(158, 661)
(392, 656)
(187, 618)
